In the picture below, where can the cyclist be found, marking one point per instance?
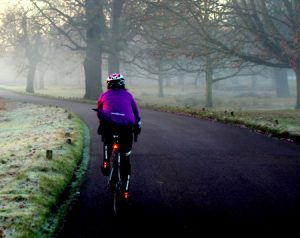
(117, 110)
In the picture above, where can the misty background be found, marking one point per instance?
(192, 53)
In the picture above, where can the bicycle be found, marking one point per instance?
(118, 188)
(115, 184)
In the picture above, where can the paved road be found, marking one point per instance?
(190, 177)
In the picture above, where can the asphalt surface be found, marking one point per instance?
(190, 177)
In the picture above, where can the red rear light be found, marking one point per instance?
(115, 146)
(105, 165)
(126, 195)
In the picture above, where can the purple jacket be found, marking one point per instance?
(118, 106)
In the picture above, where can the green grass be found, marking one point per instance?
(30, 184)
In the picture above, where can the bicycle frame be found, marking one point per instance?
(114, 180)
(115, 160)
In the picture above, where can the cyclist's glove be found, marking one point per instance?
(138, 127)
(99, 131)
(100, 128)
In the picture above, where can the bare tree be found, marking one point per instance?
(184, 25)
(259, 32)
(80, 24)
(148, 49)
(95, 27)
(126, 18)
(264, 32)
(21, 30)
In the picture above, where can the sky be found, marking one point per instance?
(5, 3)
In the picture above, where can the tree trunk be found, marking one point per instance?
(281, 82)
(92, 71)
(30, 77)
(35, 84)
(297, 72)
(32, 54)
(42, 78)
(209, 82)
(114, 54)
(93, 58)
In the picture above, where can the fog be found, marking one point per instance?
(165, 59)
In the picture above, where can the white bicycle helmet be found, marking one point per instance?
(115, 80)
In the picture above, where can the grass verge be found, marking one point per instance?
(283, 124)
(32, 185)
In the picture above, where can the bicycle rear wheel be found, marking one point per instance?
(117, 185)
(117, 199)
(115, 182)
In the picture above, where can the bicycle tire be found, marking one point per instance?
(117, 200)
(116, 184)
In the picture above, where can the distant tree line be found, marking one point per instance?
(220, 39)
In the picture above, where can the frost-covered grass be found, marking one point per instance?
(31, 184)
(60, 92)
(279, 123)
(56, 91)
(221, 100)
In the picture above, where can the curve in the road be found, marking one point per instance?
(190, 177)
